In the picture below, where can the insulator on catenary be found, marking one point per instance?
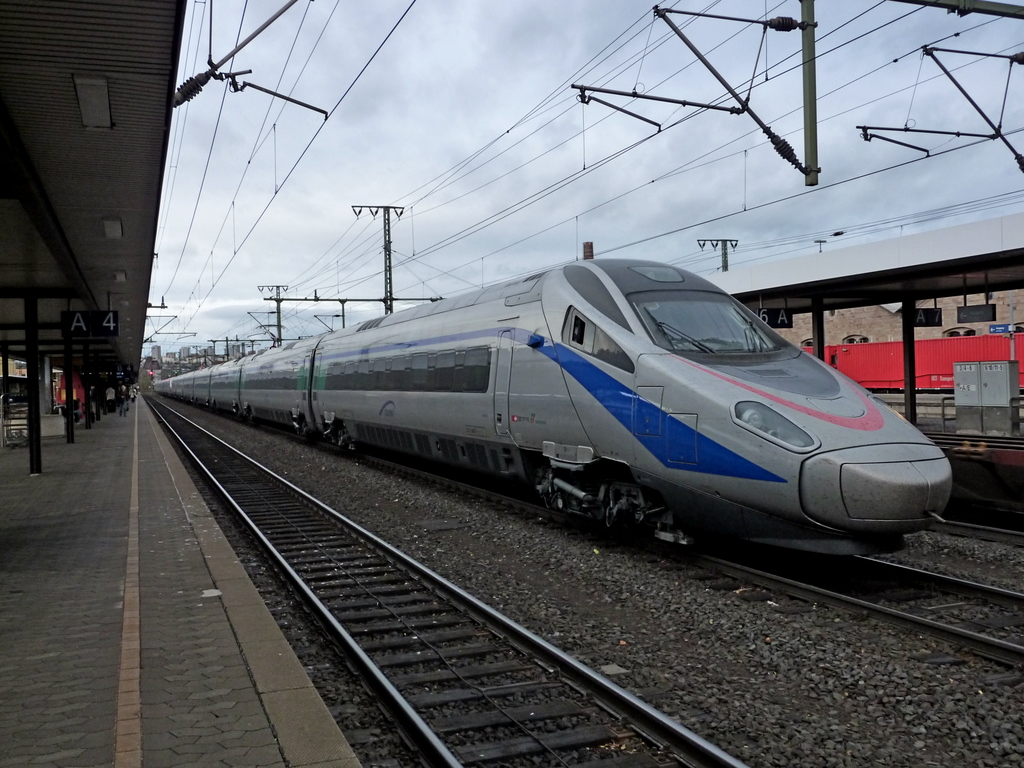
(783, 24)
(1018, 58)
(784, 148)
(1020, 162)
(190, 88)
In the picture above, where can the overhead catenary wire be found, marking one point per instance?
(309, 144)
(509, 209)
(264, 210)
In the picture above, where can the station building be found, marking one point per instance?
(883, 322)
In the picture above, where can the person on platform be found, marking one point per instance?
(110, 399)
(122, 400)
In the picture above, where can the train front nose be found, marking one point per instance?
(879, 488)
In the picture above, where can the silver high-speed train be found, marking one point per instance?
(630, 391)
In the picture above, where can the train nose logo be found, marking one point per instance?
(388, 409)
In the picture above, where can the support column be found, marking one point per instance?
(818, 327)
(810, 94)
(5, 383)
(69, 389)
(35, 436)
(87, 385)
(101, 388)
(909, 362)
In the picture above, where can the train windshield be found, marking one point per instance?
(703, 322)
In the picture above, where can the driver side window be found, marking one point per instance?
(580, 333)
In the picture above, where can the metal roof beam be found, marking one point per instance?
(37, 204)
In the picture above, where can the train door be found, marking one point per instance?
(502, 375)
(305, 383)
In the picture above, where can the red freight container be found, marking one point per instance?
(879, 365)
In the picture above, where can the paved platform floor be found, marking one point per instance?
(129, 634)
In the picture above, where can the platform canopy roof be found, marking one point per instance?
(972, 258)
(85, 111)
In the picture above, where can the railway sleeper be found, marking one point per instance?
(456, 695)
(578, 738)
(444, 654)
(522, 714)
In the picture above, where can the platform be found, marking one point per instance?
(129, 633)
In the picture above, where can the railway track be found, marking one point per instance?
(466, 685)
(983, 532)
(986, 620)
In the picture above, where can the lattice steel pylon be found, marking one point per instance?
(389, 290)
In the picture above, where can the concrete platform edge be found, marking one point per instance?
(307, 733)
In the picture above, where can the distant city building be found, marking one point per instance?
(155, 353)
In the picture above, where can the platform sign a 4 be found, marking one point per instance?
(90, 324)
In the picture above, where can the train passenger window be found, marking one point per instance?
(444, 371)
(363, 378)
(418, 380)
(334, 377)
(477, 369)
(378, 373)
(459, 374)
(400, 373)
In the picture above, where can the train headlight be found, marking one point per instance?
(760, 418)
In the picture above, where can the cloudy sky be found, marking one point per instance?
(462, 113)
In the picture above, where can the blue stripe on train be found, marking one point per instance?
(680, 446)
(691, 450)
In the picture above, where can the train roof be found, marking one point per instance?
(630, 275)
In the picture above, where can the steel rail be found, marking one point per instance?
(650, 722)
(993, 648)
(983, 532)
(411, 724)
(1005, 597)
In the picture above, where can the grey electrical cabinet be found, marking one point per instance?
(967, 397)
(987, 397)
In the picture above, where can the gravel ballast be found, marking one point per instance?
(773, 681)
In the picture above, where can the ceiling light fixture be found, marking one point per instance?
(120, 276)
(93, 101)
(112, 228)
